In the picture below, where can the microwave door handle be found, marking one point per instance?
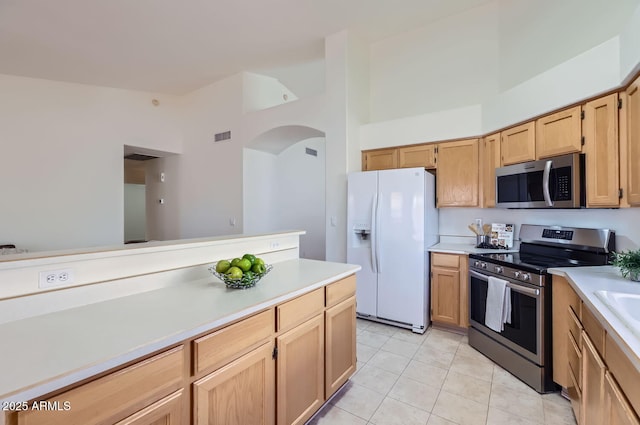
(545, 183)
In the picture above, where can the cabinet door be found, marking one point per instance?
(418, 156)
(458, 175)
(340, 349)
(380, 159)
(600, 128)
(518, 144)
(168, 411)
(490, 160)
(240, 393)
(445, 296)
(630, 157)
(559, 133)
(593, 369)
(617, 408)
(300, 372)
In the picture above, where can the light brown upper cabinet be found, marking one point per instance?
(418, 156)
(630, 143)
(380, 159)
(458, 174)
(600, 129)
(489, 161)
(559, 133)
(518, 144)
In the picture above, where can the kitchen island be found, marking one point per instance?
(168, 348)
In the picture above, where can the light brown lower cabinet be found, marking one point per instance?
(617, 408)
(593, 370)
(300, 366)
(449, 290)
(600, 378)
(239, 393)
(340, 345)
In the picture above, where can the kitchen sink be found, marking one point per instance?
(624, 305)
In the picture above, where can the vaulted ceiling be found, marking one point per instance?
(173, 47)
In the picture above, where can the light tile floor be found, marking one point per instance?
(434, 379)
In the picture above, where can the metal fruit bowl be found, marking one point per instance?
(244, 282)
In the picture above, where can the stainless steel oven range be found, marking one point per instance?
(523, 343)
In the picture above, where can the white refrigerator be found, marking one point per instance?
(391, 222)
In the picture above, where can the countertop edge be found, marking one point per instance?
(466, 249)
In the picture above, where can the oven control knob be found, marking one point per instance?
(476, 263)
(483, 265)
(516, 275)
(525, 276)
(499, 270)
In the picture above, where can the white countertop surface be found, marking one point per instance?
(586, 281)
(48, 352)
(465, 248)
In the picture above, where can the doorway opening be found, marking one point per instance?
(150, 195)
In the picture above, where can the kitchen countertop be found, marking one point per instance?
(586, 281)
(44, 353)
(466, 248)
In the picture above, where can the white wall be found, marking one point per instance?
(536, 36)
(630, 45)
(260, 191)
(442, 125)
(163, 219)
(61, 156)
(454, 221)
(450, 63)
(210, 177)
(588, 74)
(135, 226)
(300, 195)
(262, 92)
(305, 79)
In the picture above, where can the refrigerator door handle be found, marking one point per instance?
(378, 202)
(374, 236)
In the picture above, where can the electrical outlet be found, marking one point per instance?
(479, 224)
(53, 278)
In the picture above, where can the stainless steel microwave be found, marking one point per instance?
(556, 182)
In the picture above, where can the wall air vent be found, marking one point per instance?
(219, 137)
(311, 152)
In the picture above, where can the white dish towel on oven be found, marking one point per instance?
(498, 307)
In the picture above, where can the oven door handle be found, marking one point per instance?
(512, 286)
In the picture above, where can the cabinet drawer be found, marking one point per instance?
(341, 290)
(221, 347)
(594, 329)
(445, 260)
(575, 396)
(623, 371)
(302, 308)
(574, 355)
(575, 327)
(114, 396)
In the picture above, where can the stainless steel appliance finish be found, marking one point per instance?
(524, 346)
(556, 182)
